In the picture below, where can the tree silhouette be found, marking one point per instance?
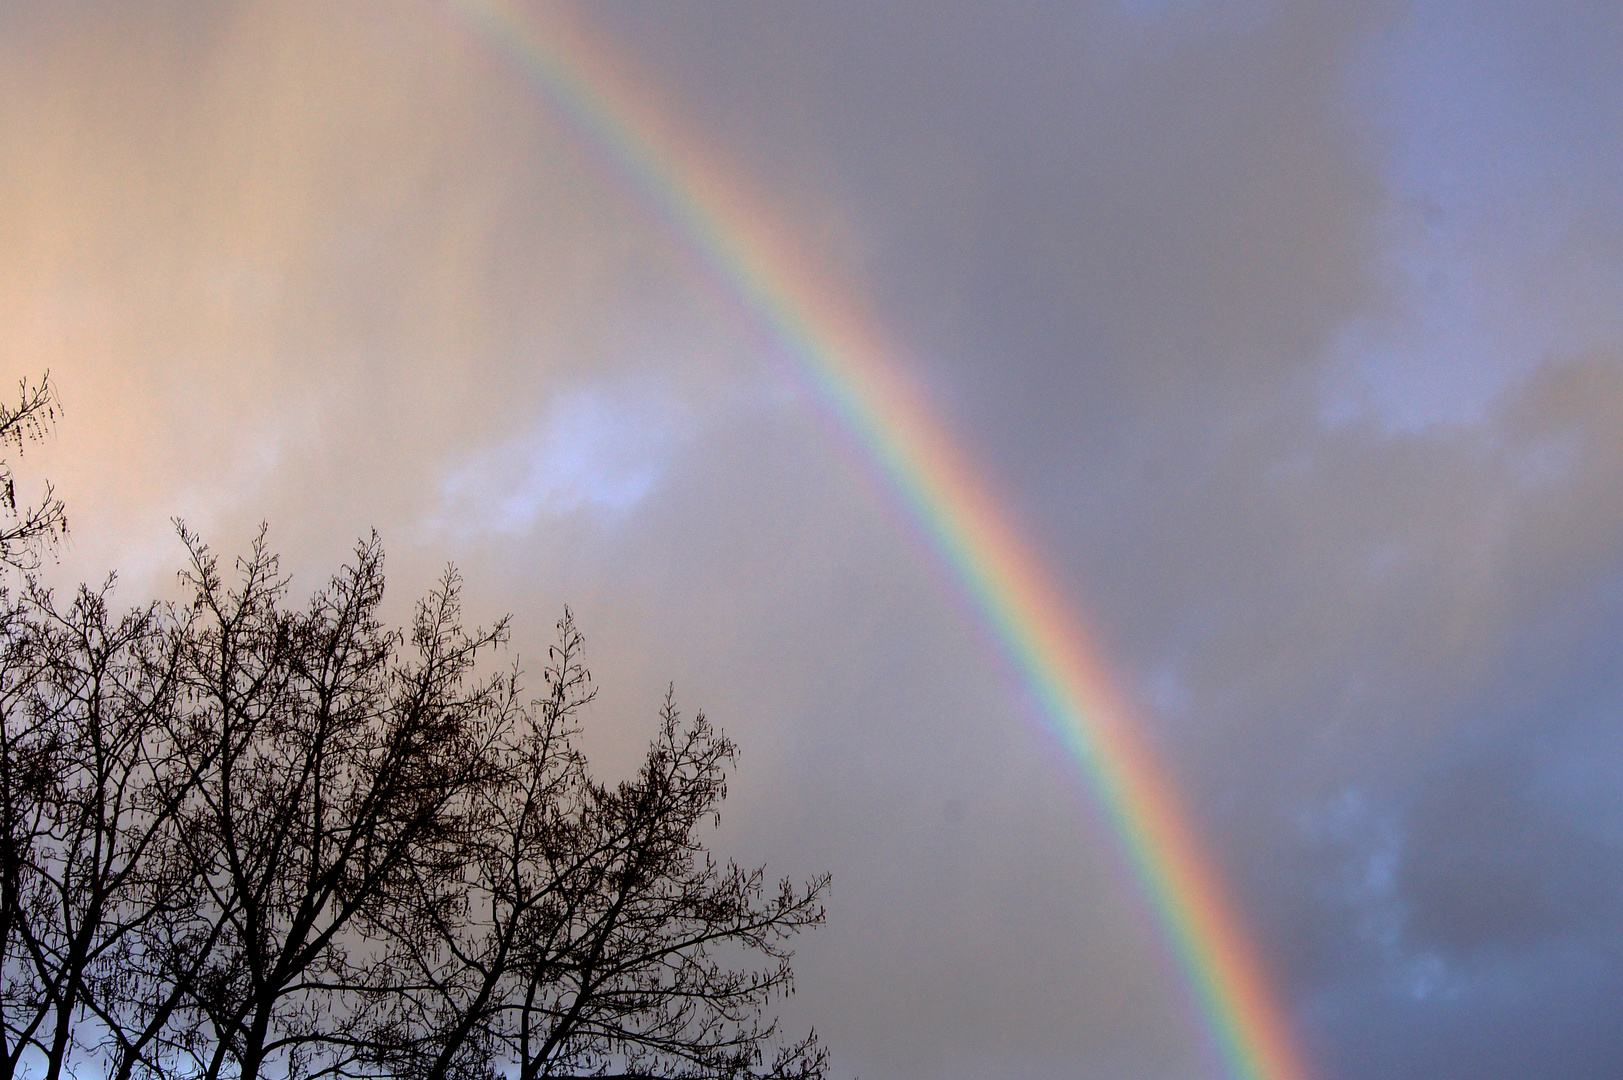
(583, 935)
(240, 837)
(31, 528)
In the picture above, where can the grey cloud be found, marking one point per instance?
(1288, 330)
(1141, 326)
(1498, 869)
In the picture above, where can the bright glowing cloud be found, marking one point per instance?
(596, 450)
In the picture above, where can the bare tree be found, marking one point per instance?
(29, 749)
(587, 933)
(458, 940)
(335, 768)
(27, 758)
(98, 693)
(32, 527)
(239, 837)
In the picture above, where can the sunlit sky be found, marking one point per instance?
(1289, 333)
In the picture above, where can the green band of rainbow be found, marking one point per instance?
(850, 366)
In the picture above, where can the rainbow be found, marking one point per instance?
(851, 367)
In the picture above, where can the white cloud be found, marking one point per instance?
(595, 450)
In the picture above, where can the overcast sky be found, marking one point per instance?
(1290, 333)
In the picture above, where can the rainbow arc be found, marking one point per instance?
(853, 369)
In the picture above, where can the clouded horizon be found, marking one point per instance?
(1290, 333)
